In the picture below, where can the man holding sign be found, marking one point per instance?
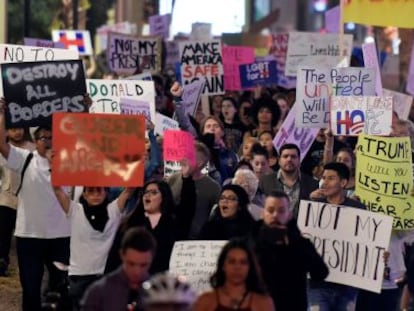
(326, 295)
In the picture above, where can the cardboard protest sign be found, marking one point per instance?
(43, 43)
(77, 40)
(202, 59)
(233, 56)
(351, 241)
(132, 55)
(106, 94)
(353, 115)
(196, 261)
(160, 25)
(98, 150)
(36, 90)
(317, 50)
(135, 107)
(163, 123)
(369, 51)
(384, 178)
(102, 33)
(289, 133)
(333, 20)
(191, 96)
(380, 13)
(10, 53)
(315, 86)
(259, 73)
(178, 145)
(279, 52)
(401, 103)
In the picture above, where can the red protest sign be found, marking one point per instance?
(178, 145)
(100, 150)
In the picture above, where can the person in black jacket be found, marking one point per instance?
(231, 217)
(156, 213)
(285, 257)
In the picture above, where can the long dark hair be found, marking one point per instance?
(167, 204)
(254, 281)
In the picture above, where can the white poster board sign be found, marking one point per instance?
(315, 86)
(353, 115)
(316, 49)
(106, 94)
(196, 261)
(350, 240)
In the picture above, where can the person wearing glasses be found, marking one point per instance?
(231, 218)
(157, 213)
(94, 222)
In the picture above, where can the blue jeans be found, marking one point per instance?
(332, 298)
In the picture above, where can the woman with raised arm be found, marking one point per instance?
(157, 213)
(94, 221)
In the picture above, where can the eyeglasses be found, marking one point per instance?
(151, 192)
(45, 138)
(222, 198)
(94, 190)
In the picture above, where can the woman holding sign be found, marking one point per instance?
(157, 213)
(237, 284)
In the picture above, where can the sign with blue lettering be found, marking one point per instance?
(262, 73)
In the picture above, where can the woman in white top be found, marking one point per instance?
(94, 221)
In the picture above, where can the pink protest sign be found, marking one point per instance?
(333, 19)
(410, 77)
(371, 61)
(178, 145)
(289, 133)
(233, 56)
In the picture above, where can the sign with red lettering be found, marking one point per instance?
(98, 150)
(178, 145)
(202, 60)
(353, 115)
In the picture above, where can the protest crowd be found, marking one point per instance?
(281, 182)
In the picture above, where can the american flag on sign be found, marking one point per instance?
(79, 40)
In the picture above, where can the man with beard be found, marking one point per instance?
(285, 255)
(289, 178)
(8, 200)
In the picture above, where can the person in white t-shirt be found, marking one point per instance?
(42, 229)
(94, 221)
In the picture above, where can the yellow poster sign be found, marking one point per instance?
(384, 178)
(397, 13)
